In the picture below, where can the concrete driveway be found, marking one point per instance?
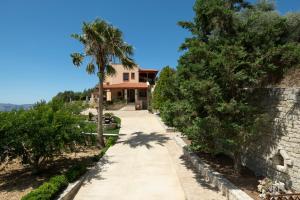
(145, 164)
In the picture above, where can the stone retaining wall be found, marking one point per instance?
(277, 153)
(212, 177)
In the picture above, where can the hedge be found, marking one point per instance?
(49, 190)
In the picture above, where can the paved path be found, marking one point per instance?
(145, 164)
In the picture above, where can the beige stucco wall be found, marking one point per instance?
(118, 77)
(114, 94)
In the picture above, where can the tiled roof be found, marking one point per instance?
(148, 70)
(126, 86)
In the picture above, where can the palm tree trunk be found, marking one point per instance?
(100, 112)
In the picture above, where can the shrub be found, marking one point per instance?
(75, 172)
(91, 116)
(48, 190)
(111, 141)
(117, 120)
(40, 133)
(108, 115)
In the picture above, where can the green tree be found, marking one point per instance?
(68, 96)
(165, 87)
(102, 44)
(39, 134)
(234, 46)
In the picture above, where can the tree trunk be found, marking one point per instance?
(100, 111)
(237, 163)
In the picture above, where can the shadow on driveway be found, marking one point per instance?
(139, 139)
(95, 173)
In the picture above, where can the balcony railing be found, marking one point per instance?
(144, 80)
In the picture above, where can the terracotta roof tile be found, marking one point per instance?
(148, 70)
(126, 86)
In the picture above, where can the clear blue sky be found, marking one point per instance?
(35, 42)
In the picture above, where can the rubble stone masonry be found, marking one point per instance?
(276, 154)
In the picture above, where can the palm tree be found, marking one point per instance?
(103, 43)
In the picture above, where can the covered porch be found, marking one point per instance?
(131, 93)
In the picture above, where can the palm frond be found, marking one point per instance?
(103, 42)
(80, 38)
(77, 59)
(128, 63)
(110, 70)
(93, 35)
(90, 68)
(128, 49)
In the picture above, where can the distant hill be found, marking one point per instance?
(8, 107)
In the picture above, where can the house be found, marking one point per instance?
(128, 85)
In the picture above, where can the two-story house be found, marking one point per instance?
(130, 85)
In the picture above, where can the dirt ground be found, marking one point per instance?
(247, 181)
(17, 180)
(290, 79)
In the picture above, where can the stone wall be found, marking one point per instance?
(276, 154)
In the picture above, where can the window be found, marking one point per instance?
(132, 76)
(125, 76)
(119, 94)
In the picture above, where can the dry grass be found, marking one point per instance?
(290, 79)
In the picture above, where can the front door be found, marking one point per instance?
(131, 97)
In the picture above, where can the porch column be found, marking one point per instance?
(136, 96)
(108, 95)
(148, 95)
(126, 96)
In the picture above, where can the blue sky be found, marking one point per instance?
(35, 42)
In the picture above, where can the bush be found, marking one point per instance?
(39, 134)
(108, 115)
(109, 142)
(91, 116)
(48, 190)
(117, 120)
(75, 172)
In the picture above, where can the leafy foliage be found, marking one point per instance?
(50, 189)
(75, 172)
(39, 134)
(234, 46)
(164, 88)
(68, 96)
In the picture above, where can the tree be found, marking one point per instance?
(163, 89)
(102, 44)
(68, 96)
(234, 46)
(39, 134)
